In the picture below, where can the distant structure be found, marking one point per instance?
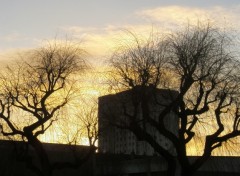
(114, 109)
(14, 162)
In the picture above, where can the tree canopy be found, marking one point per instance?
(199, 63)
(39, 87)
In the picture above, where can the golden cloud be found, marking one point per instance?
(102, 41)
(175, 15)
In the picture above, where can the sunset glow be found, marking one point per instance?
(98, 28)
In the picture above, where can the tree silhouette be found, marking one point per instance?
(38, 88)
(199, 64)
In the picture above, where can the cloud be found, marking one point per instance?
(176, 15)
(101, 41)
(12, 37)
(7, 56)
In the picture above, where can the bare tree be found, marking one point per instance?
(139, 62)
(38, 87)
(199, 64)
(89, 123)
(86, 127)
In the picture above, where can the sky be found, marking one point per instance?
(28, 23)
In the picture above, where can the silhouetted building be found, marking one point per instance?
(18, 158)
(13, 162)
(115, 110)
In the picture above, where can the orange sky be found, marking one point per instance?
(98, 27)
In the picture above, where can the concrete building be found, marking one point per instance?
(116, 109)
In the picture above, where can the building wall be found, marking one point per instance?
(15, 158)
(113, 109)
(105, 164)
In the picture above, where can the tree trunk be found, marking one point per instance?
(188, 172)
(41, 154)
(172, 168)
